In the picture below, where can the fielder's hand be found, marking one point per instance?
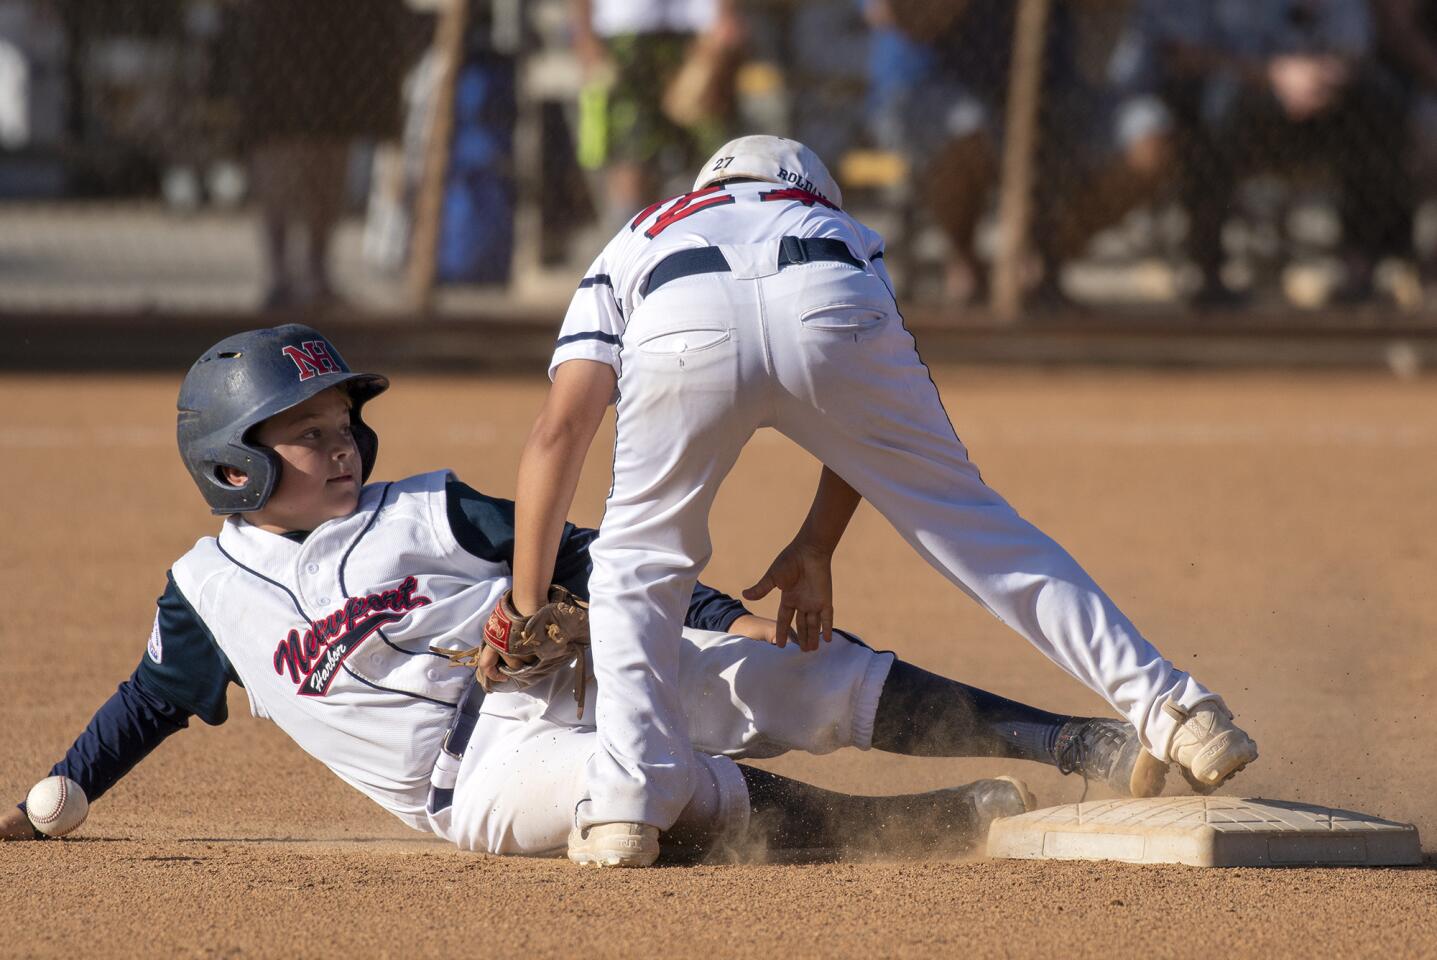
(524, 649)
(804, 575)
(488, 666)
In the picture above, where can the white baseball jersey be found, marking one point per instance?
(777, 312)
(331, 636)
(743, 219)
(330, 631)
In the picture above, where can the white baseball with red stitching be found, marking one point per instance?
(56, 806)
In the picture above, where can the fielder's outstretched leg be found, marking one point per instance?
(891, 441)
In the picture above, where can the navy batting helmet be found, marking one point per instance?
(250, 377)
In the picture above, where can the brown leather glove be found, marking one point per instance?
(541, 643)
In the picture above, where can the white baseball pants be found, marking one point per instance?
(818, 352)
(523, 773)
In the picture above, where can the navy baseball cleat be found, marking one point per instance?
(1109, 750)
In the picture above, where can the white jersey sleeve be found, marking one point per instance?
(594, 324)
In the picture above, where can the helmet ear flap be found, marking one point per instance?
(261, 468)
(366, 441)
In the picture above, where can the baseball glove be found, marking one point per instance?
(543, 642)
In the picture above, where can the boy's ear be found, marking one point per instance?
(234, 476)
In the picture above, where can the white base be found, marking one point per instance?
(1206, 832)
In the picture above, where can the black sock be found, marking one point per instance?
(925, 715)
(791, 815)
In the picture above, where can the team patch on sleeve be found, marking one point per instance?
(155, 648)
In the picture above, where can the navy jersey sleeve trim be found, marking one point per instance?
(484, 526)
(184, 664)
(126, 728)
(572, 566)
(599, 335)
(711, 609)
(598, 279)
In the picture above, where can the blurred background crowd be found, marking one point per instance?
(1175, 156)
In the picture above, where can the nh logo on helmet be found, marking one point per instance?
(312, 358)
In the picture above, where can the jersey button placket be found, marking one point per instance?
(312, 587)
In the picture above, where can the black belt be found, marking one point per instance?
(791, 250)
(456, 740)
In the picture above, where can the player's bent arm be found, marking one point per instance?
(833, 506)
(549, 472)
(803, 570)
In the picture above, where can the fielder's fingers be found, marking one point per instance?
(815, 630)
(826, 624)
(783, 624)
(489, 665)
(761, 589)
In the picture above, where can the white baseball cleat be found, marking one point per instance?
(618, 844)
(1208, 747)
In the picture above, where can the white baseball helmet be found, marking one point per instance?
(774, 159)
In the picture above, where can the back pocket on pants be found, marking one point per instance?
(853, 319)
(680, 343)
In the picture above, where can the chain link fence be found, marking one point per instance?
(1022, 156)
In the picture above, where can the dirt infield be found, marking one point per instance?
(1275, 534)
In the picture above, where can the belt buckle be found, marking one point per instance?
(792, 250)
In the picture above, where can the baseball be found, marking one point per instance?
(56, 806)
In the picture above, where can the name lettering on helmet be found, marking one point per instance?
(801, 182)
(312, 357)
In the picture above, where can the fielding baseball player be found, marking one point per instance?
(352, 614)
(755, 301)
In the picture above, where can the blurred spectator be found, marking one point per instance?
(32, 94)
(1138, 155)
(318, 76)
(1250, 85)
(659, 77)
(1408, 32)
(14, 96)
(938, 94)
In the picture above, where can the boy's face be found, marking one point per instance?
(319, 476)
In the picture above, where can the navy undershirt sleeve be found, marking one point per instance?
(484, 526)
(182, 674)
(133, 722)
(711, 609)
